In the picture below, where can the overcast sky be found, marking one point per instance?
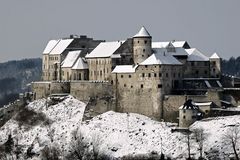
(27, 25)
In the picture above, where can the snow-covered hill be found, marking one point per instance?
(114, 135)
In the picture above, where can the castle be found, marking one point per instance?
(133, 75)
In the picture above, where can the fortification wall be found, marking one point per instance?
(98, 95)
(43, 89)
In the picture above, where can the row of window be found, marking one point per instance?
(53, 58)
(141, 86)
(100, 61)
(155, 75)
(196, 64)
(99, 73)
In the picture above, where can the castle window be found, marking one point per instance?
(131, 86)
(129, 76)
(155, 74)
(206, 72)
(166, 74)
(184, 117)
(143, 74)
(206, 63)
(160, 74)
(214, 63)
(159, 86)
(149, 74)
(214, 69)
(145, 41)
(141, 85)
(83, 47)
(143, 50)
(138, 41)
(179, 75)
(184, 111)
(100, 73)
(145, 66)
(121, 76)
(192, 63)
(142, 55)
(197, 72)
(174, 74)
(125, 85)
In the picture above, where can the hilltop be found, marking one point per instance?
(44, 126)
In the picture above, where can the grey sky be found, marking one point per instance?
(27, 25)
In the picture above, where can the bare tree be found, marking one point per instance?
(232, 137)
(200, 137)
(187, 141)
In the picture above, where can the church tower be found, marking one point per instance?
(215, 66)
(142, 46)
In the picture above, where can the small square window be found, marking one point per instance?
(141, 85)
(155, 74)
(149, 74)
(121, 76)
(143, 74)
(159, 85)
(125, 85)
(145, 41)
(129, 76)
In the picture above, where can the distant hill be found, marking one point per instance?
(231, 66)
(14, 77)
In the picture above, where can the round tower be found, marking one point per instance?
(215, 66)
(142, 46)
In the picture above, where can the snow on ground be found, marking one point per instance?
(121, 134)
(64, 118)
(116, 134)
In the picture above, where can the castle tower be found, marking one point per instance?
(215, 66)
(188, 114)
(142, 46)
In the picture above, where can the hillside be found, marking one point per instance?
(15, 75)
(42, 130)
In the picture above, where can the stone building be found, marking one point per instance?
(57, 50)
(142, 76)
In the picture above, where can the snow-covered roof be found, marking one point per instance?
(196, 55)
(176, 44)
(124, 69)
(80, 64)
(161, 57)
(203, 103)
(51, 44)
(159, 44)
(61, 46)
(105, 49)
(215, 55)
(70, 59)
(142, 33)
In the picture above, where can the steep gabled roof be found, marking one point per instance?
(105, 49)
(196, 55)
(51, 44)
(124, 69)
(176, 44)
(215, 55)
(70, 59)
(161, 57)
(142, 33)
(80, 64)
(61, 46)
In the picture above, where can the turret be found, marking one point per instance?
(215, 66)
(142, 46)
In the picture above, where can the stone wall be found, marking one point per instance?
(172, 103)
(45, 88)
